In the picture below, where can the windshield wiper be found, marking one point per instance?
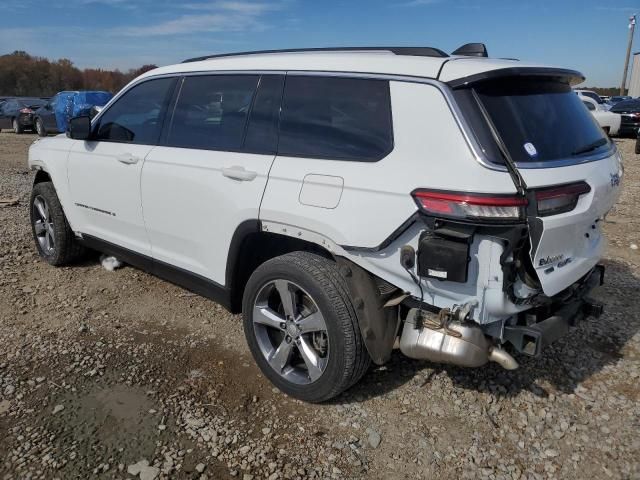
(592, 146)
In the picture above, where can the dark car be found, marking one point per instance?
(629, 110)
(17, 113)
(54, 116)
(617, 99)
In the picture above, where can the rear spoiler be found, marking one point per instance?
(573, 77)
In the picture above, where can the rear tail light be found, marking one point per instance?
(471, 206)
(26, 110)
(554, 200)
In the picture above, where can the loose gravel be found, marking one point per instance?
(118, 375)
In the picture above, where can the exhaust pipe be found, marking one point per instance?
(457, 343)
(506, 361)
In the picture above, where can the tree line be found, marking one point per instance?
(24, 75)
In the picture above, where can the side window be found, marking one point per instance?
(589, 105)
(336, 118)
(137, 116)
(211, 112)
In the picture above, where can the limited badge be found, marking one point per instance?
(530, 149)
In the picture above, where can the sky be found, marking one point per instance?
(588, 35)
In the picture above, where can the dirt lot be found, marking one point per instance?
(118, 374)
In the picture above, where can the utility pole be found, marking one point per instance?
(632, 27)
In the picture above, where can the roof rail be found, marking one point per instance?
(413, 51)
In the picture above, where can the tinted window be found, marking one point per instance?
(593, 96)
(211, 112)
(540, 120)
(262, 131)
(589, 105)
(137, 116)
(336, 118)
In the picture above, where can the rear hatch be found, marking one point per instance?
(570, 168)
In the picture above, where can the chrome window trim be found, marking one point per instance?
(466, 131)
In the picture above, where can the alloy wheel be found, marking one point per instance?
(43, 225)
(291, 332)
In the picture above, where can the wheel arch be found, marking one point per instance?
(42, 176)
(250, 247)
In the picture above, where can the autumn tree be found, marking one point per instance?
(22, 74)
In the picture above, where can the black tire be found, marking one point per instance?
(42, 132)
(348, 359)
(17, 128)
(637, 149)
(66, 248)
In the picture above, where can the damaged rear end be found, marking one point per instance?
(546, 236)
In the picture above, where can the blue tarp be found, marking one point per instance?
(72, 104)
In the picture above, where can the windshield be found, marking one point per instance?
(540, 120)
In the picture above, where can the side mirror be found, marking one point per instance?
(79, 128)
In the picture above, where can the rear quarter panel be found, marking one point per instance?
(429, 151)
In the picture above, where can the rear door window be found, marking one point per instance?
(136, 117)
(538, 120)
(336, 118)
(211, 112)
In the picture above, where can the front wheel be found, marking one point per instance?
(55, 241)
(301, 327)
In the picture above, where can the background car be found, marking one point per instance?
(617, 99)
(630, 113)
(17, 113)
(54, 116)
(593, 96)
(609, 121)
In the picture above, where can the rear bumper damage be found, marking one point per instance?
(449, 337)
(537, 328)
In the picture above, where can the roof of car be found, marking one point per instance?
(633, 104)
(444, 68)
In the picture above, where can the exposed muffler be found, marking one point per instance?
(443, 340)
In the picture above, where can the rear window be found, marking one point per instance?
(593, 96)
(539, 121)
(336, 118)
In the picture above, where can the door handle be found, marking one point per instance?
(127, 158)
(239, 173)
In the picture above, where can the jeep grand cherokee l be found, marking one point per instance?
(346, 201)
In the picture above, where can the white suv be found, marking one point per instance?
(346, 201)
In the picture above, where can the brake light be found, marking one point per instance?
(554, 200)
(26, 110)
(471, 206)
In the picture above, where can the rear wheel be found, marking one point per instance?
(54, 239)
(301, 327)
(638, 145)
(17, 128)
(40, 128)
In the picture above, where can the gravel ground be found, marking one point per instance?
(120, 375)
